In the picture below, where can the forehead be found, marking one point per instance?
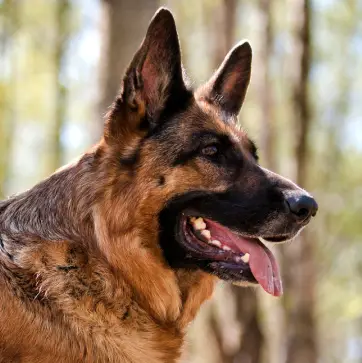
(198, 123)
(204, 117)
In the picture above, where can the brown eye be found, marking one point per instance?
(210, 150)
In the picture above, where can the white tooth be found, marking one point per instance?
(215, 242)
(206, 233)
(246, 258)
(237, 259)
(261, 239)
(192, 219)
(226, 248)
(199, 224)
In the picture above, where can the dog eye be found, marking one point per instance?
(210, 150)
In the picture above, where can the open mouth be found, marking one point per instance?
(246, 258)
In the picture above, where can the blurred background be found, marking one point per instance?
(61, 62)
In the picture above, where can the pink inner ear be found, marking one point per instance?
(149, 75)
(235, 79)
(232, 80)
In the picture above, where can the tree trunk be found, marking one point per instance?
(222, 29)
(249, 347)
(9, 15)
(247, 306)
(124, 26)
(252, 339)
(61, 39)
(272, 309)
(300, 269)
(265, 86)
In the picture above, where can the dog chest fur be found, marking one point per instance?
(67, 305)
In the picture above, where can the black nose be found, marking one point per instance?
(302, 206)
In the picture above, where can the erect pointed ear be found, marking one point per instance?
(155, 72)
(228, 85)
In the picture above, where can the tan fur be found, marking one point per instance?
(119, 301)
(82, 275)
(87, 314)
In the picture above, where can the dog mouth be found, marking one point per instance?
(245, 259)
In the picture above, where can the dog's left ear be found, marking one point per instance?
(155, 73)
(227, 87)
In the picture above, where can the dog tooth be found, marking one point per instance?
(245, 258)
(262, 240)
(237, 259)
(206, 233)
(226, 248)
(215, 242)
(199, 224)
(192, 219)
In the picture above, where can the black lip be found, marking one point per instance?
(231, 271)
(278, 239)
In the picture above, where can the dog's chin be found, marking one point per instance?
(231, 255)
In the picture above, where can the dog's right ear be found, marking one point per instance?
(154, 75)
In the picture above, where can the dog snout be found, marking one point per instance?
(302, 206)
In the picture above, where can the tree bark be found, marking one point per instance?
(272, 309)
(124, 25)
(300, 268)
(265, 85)
(247, 305)
(222, 29)
(251, 338)
(9, 15)
(61, 38)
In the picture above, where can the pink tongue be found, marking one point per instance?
(262, 262)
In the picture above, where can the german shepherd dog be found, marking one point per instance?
(110, 258)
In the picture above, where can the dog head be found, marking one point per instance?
(180, 161)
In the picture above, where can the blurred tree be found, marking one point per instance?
(124, 26)
(272, 312)
(222, 29)
(62, 33)
(249, 348)
(265, 85)
(8, 54)
(299, 269)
